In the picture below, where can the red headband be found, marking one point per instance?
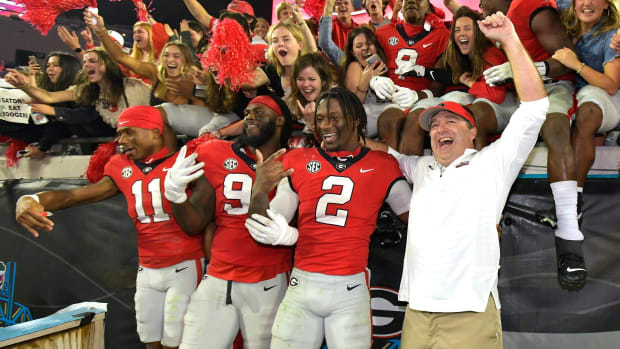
(141, 116)
(268, 102)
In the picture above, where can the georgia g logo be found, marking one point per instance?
(387, 313)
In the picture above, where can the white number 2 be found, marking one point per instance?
(159, 215)
(242, 193)
(340, 218)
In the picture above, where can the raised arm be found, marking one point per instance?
(307, 33)
(452, 5)
(527, 80)
(70, 39)
(326, 42)
(30, 209)
(20, 81)
(146, 69)
(199, 12)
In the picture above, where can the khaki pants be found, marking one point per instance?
(464, 330)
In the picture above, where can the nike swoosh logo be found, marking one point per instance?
(570, 270)
(367, 170)
(123, 122)
(349, 288)
(180, 269)
(268, 288)
(426, 45)
(165, 169)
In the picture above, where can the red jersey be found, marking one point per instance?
(492, 56)
(340, 32)
(521, 13)
(161, 241)
(230, 170)
(423, 50)
(339, 200)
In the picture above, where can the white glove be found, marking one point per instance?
(407, 67)
(274, 231)
(384, 87)
(184, 171)
(404, 97)
(498, 74)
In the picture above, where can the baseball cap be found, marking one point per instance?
(116, 36)
(241, 6)
(427, 114)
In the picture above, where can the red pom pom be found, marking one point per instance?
(142, 9)
(97, 161)
(230, 54)
(194, 143)
(11, 153)
(314, 8)
(42, 13)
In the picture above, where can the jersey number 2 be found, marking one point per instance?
(340, 218)
(159, 215)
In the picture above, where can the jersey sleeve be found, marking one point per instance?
(399, 197)
(285, 201)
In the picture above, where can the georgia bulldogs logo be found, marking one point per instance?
(230, 164)
(313, 166)
(126, 172)
(387, 312)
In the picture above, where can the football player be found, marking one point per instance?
(245, 280)
(171, 262)
(337, 193)
(539, 27)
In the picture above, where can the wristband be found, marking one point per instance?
(78, 50)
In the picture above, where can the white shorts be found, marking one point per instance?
(609, 105)
(560, 96)
(219, 308)
(503, 111)
(189, 119)
(162, 296)
(459, 97)
(316, 305)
